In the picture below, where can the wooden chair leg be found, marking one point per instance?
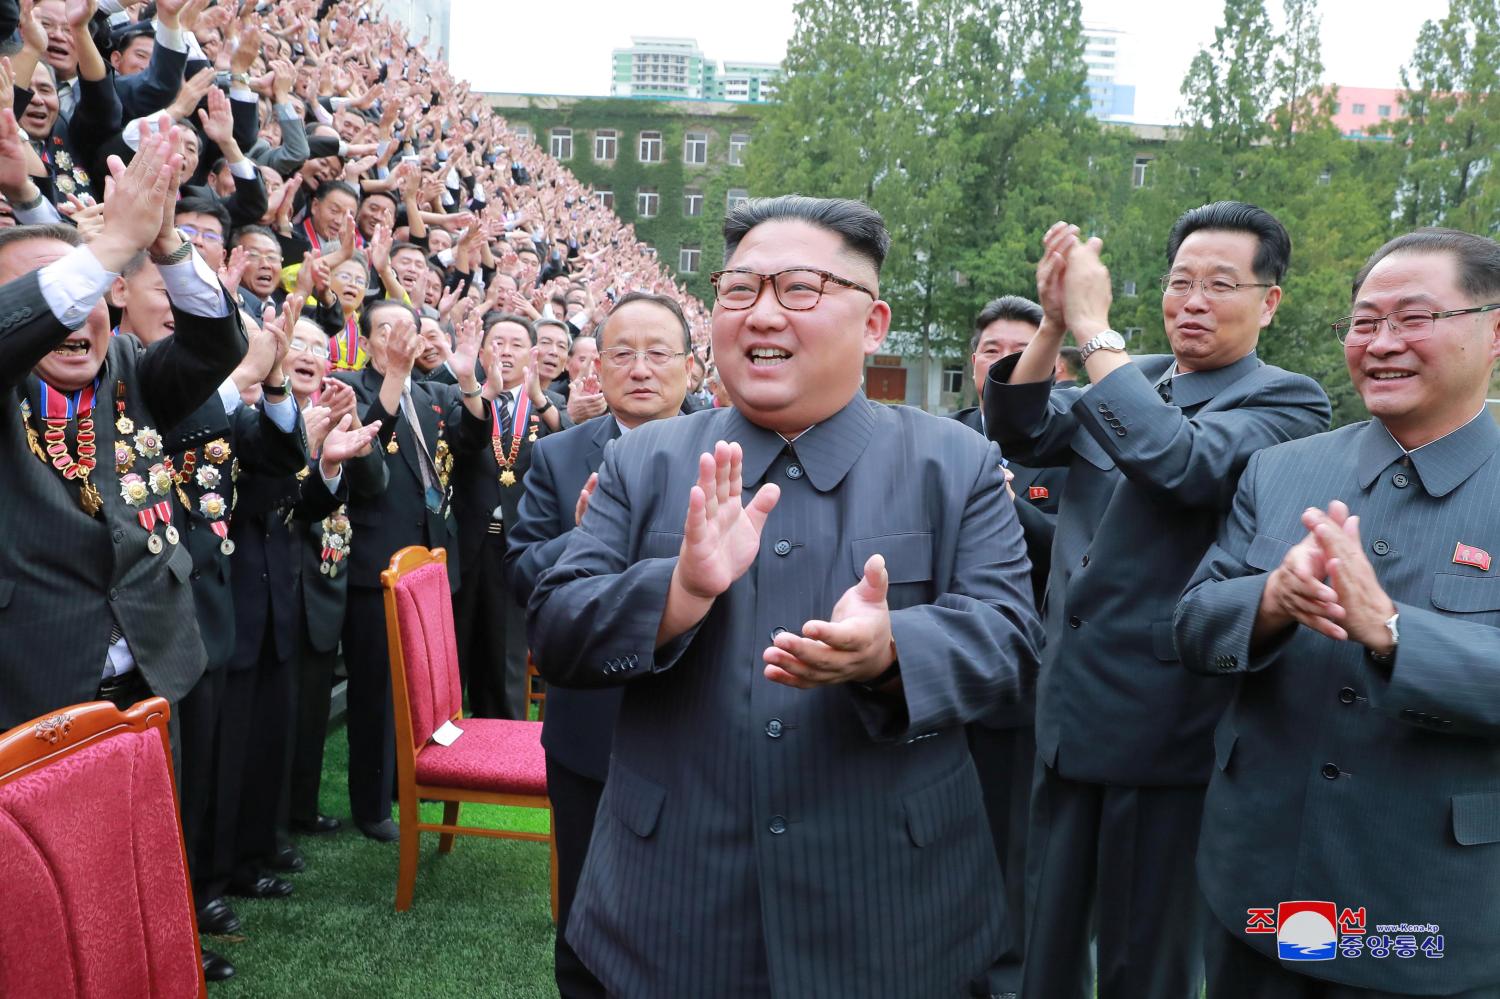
(450, 817)
(411, 838)
(552, 842)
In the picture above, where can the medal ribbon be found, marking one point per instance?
(517, 428)
(343, 350)
(65, 406)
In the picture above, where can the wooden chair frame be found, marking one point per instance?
(43, 741)
(411, 792)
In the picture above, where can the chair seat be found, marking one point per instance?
(493, 754)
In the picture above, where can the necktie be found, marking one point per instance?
(434, 495)
(503, 401)
(1164, 389)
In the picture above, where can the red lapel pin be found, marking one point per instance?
(1469, 555)
(1037, 492)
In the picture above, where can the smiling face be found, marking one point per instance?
(434, 338)
(52, 15)
(134, 57)
(508, 345)
(639, 391)
(41, 113)
(263, 267)
(75, 362)
(207, 235)
(999, 339)
(584, 357)
(377, 209)
(349, 281)
(787, 370)
(410, 265)
(1206, 333)
(145, 309)
(1425, 389)
(307, 358)
(329, 211)
(552, 351)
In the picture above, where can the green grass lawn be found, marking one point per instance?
(480, 923)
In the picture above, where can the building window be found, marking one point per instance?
(1325, 176)
(647, 202)
(523, 132)
(695, 147)
(1385, 110)
(692, 202)
(737, 144)
(737, 196)
(1131, 332)
(1138, 171)
(1356, 133)
(953, 380)
(1358, 109)
(606, 198)
(606, 144)
(687, 259)
(562, 144)
(650, 147)
(1129, 289)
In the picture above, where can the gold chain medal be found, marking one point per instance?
(507, 459)
(58, 410)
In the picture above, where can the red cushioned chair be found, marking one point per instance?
(494, 762)
(94, 898)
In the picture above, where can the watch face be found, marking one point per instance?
(1111, 340)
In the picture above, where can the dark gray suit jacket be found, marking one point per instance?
(65, 575)
(580, 724)
(1148, 482)
(759, 840)
(1337, 778)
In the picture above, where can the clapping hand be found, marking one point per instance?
(721, 536)
(140, 197)
(854, 644)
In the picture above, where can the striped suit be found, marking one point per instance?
(758, 840)
(1335, 778)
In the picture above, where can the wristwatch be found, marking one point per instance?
(475, 394)
(1107, 340)
(1386, 658)
(286, 383)
(546, 405)
(178, 255)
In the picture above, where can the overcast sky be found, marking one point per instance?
(565, 48)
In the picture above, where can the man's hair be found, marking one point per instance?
(592, 337)
(367, 318)
(387, 195)
(195, 205)
(326, 188)
(1072, 359)
(1273, 249)
(1013, 307)
(254, 230)
(567, 330)
(491, 319)
(1478, 259)
(404, 245)
(60, 231)
(670, 304)
(134, 264)
(859, 226)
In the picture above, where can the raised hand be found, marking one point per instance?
(191, 93)
(1086, 290)
(316, 422)
(466, 338)
(1296, 591)
(853, 644)
(721, 536)
(340, 400)
(141, 196)
(346, 440)
(79, 12)
(217, 120)
(234, 269)
(584, 495)
(1051, 271)
(1363, 601)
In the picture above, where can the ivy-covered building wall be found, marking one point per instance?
(701, 176)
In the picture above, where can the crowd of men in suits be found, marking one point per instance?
(1075, 692)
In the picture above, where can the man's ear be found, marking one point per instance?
(877, 325)
(116, 293)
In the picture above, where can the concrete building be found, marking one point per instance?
(1360, 110)
(676, 69)
(1108, 98)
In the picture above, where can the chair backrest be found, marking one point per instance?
(423, 645)
(94, 899)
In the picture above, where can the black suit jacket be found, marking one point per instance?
(324, 593)
(399, 516)
(65, 577)
(579, 726)
(154, 87)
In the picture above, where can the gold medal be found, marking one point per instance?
(154, 545)
(124, 426)
(333, 570)
(392, 447)
(532, 437)
(172, 536)
(90, 499)
(303, 473)
(227, 547)
(507, 478)
(65, 184)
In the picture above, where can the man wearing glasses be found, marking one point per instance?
(791, 809)
(1153, 449)
(1350, 593)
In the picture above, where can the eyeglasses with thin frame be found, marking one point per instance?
(659, 358)
(798, 289)
(1411, 325)
(191, 230)
(1213, 288)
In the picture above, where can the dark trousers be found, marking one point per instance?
(575, 800)
(1238, 971)
(371, 725)
(1006, 760)
(491, 628)
(267, 745)
(197, 777)
(1120, 858)
(314, 692)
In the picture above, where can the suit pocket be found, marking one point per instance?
(1476, 818)
(934, 811)
(908, 557)
(633, 799)
(1465, 594)
(7, 590)
(1163, 643)
(1225, 738)
(1265, 552)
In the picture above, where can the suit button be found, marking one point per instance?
(1408, 714)
(1380, 547)
(195, 575)
(1120, 432)
(1347, 695)
(264, 577)
(1330, 771)
(119, 536)
(1400, 481)
(1104, 409)
(773, 728)
(114, 594)
(774, 632)
(1084, 561)
(1445, 723)
(1073, 622)
(794, 471)
(777, 826)
(783, 547)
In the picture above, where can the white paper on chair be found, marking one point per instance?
(447, 734)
